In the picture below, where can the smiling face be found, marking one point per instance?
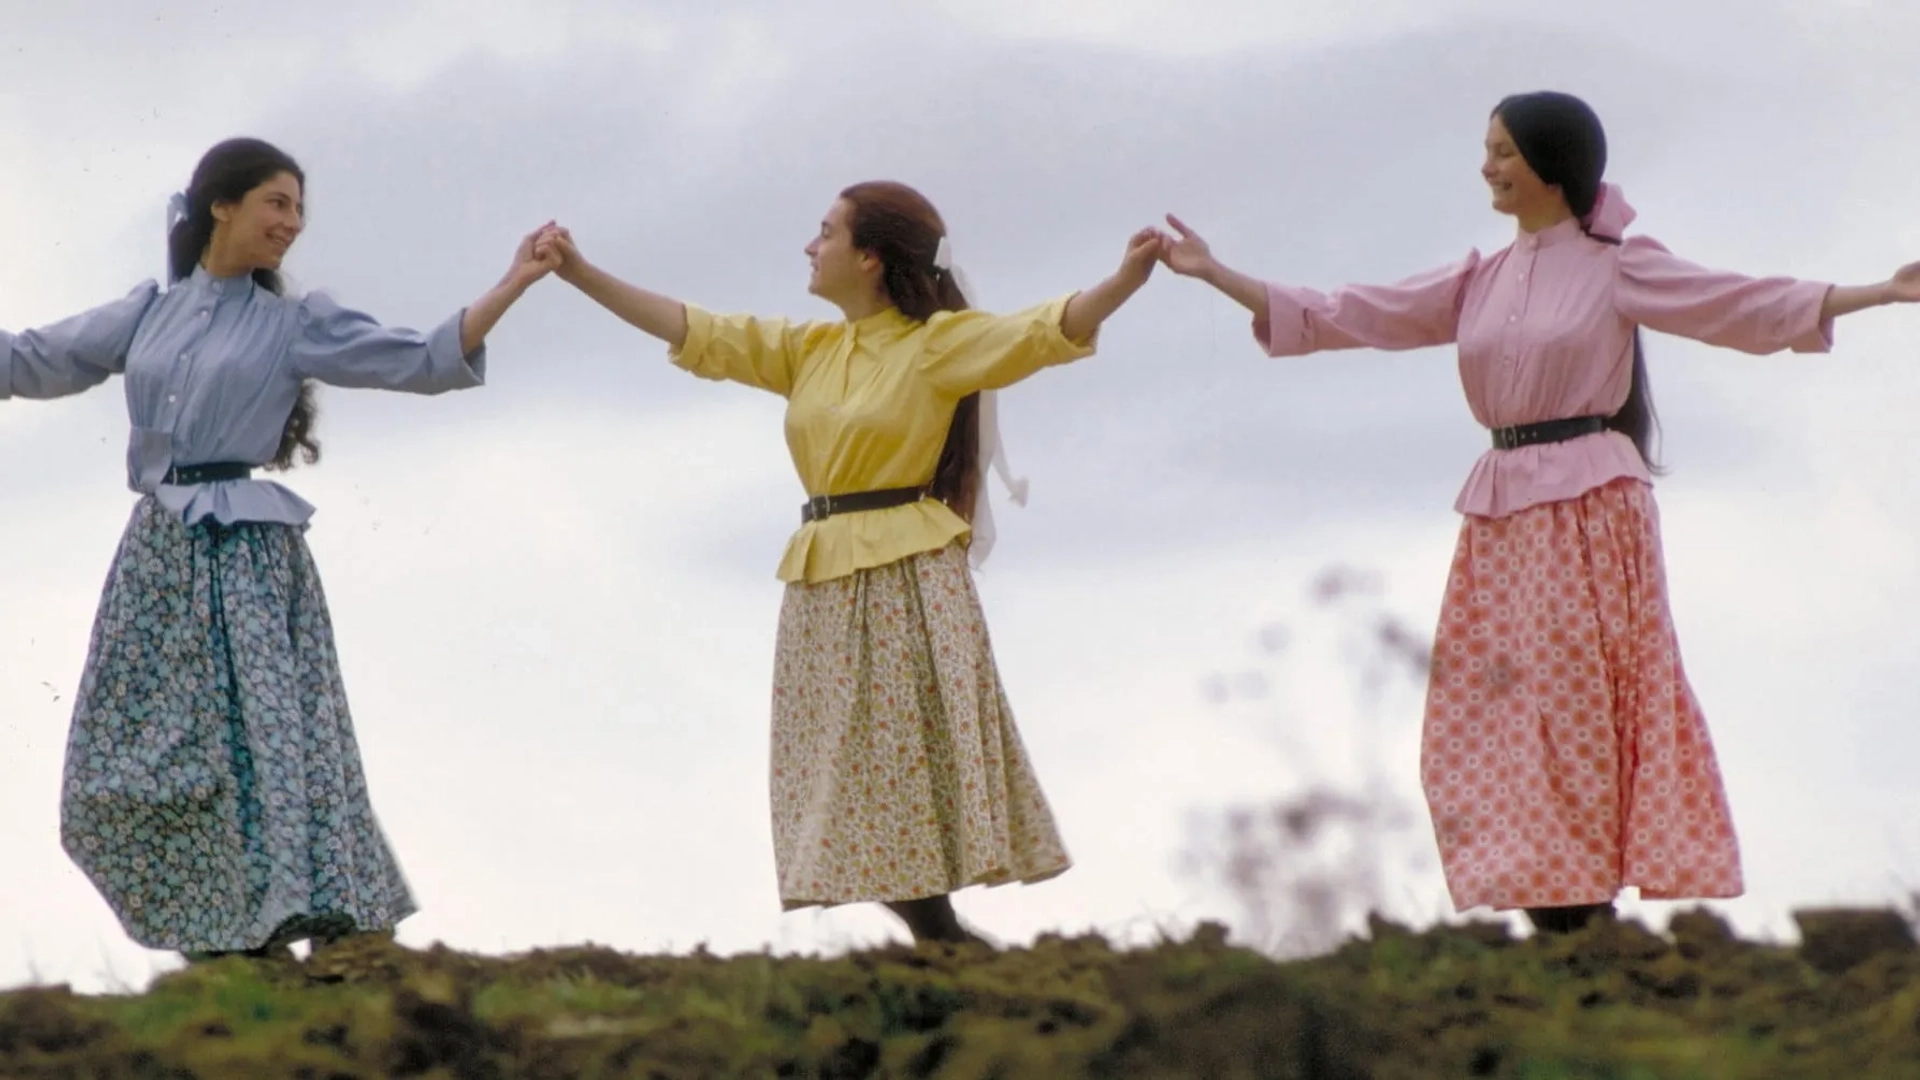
(841, 272)
(1516, 188)
(257, 231)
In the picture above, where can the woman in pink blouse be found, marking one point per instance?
(1563, 754)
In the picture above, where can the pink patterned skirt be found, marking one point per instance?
(1564, 756)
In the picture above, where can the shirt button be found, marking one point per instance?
(1510, 318)
(203, 311)
(171, 399)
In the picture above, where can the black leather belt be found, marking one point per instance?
(1550, 431)
(182, 475)
(825, 506)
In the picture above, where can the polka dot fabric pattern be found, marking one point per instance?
(1564, 757)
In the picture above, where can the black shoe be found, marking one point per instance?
(265, 952)
(1567, 920)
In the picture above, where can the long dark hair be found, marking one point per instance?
(1564, 144)
(903, 230)
(226, 174)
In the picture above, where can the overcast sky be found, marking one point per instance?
(555, 596)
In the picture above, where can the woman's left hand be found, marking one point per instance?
(1904, 286)
(532, 260)
(1143, 251)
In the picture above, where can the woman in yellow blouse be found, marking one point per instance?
(898, 775)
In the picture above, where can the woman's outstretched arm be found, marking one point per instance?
(529, 266)
(1185, 253)
(1289, 320)
(1091, 307)
(661, 316)
(75, 354)
(1902, 288)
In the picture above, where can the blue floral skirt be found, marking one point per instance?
(213, 789)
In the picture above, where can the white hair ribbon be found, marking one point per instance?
(993, 452)
(176, 213)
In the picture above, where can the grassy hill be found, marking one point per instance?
(1615, 1002)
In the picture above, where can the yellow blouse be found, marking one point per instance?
(868, 407)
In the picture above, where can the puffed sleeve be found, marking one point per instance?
(762, 353)
(969, 351)
(1413, 313)
(1661, 291)
(75, 354)
(342, 347)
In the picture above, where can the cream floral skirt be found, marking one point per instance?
(897, 772)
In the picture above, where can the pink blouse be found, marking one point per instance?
(1545, 332)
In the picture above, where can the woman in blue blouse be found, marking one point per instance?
(213, 790)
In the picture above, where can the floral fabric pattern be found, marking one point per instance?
(1564, 756)
(897, 772)
(213, 791)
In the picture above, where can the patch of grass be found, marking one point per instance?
(1613, 1003)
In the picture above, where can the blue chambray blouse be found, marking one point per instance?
(212, 368)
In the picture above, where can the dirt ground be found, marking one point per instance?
(1615, 1002)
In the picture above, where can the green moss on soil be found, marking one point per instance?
(1613, 1003)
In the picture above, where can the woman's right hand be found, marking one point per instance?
(556, 241)
(1184, 252)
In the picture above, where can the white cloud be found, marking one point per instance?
(417, 43)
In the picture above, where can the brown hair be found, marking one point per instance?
(226, 174)
(902, 229)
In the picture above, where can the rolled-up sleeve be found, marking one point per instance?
(1414, 313)
(75, 354)
(339, 346)
(970, 351)
(763, 353)
(1759, 315)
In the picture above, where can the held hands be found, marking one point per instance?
(555, 242)
(530, 262)
(529, 265)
